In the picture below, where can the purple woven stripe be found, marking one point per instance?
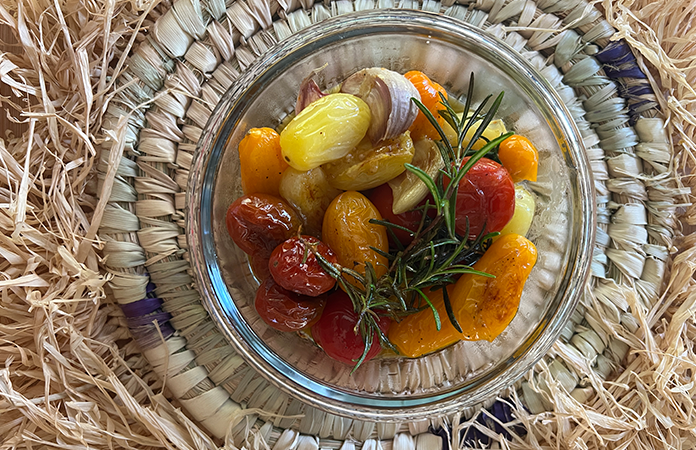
(620, 64)
(161, 317)
(141, 307)
(617, 52)
(632, 71)
(472, 437)
(619, 61)
(636, 91)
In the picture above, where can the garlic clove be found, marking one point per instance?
(408, 190)
(309, 92)
(388, 94)
(368, 166)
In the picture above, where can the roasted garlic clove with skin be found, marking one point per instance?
(309, 92)
(407, 188)
(368, 166)
(389, 95)
(310, 194)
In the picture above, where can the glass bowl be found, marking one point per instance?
(395, 388)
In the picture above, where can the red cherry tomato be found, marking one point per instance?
(486, 197)
(259, 267)
(285, 310)
(383, 199)
(335, 331)
(294, 266)
(258, 223)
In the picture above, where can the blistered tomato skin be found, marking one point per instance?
(258, 223)
(348, 232)
(486, 196)
(294, 266)
(417, 334)
(286, 310)
(483, 306)
(335, 331)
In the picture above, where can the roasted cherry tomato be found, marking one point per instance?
(483, 306)
(294, 266)
(383, 200)
(430, 97)
(348, 232)
(259, 266)
(519, 157)
(335, 331)
(258, 223)
(486, 197)
(285, 310)
(261, 162)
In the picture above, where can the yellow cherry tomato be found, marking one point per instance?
(483, 306)
(348, 232)
(261, 162)
(494, 129)
(325, 131)
(519, 157)
(523, 215)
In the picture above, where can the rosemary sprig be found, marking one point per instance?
(437, 254)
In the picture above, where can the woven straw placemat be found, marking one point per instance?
(116, 98)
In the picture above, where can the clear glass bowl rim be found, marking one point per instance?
(201, 182)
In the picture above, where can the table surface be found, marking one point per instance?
(7, 44)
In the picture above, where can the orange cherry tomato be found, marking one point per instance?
(348, 232)
(519, 157)
(430, 97)
(482, 306)
(261, 161)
